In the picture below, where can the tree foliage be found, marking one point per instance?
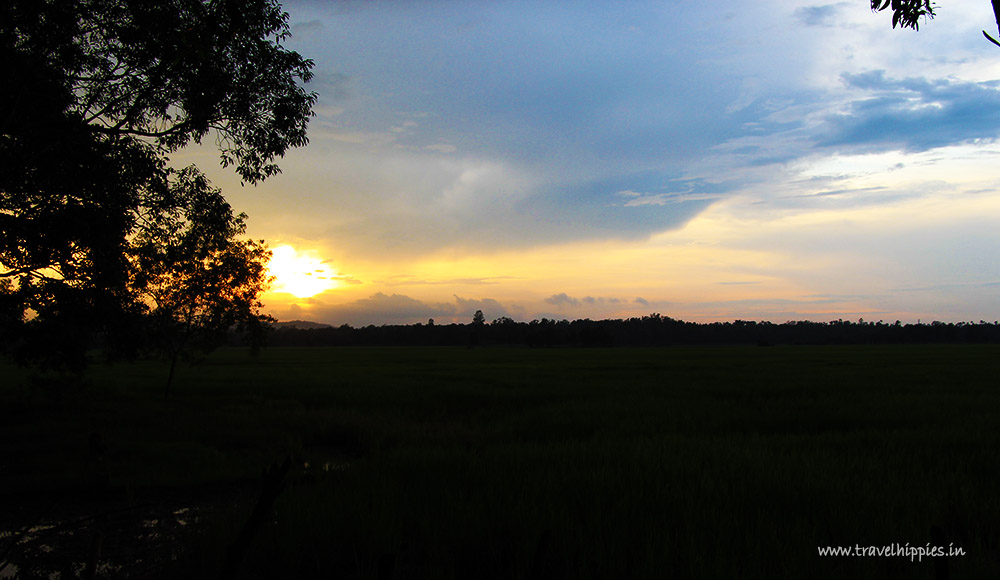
(170, 72)
(196, 277)
(68, 198)
(97, 94)
(905, 13)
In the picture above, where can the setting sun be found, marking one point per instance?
(299, 274)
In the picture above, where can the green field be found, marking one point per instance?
(438, 463)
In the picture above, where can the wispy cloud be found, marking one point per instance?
(345, 279)
(636, 199)
(407, 280)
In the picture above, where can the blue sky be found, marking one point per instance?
(708, 161)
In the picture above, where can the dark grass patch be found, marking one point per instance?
(554, 463)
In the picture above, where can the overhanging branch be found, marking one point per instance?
(996, 16)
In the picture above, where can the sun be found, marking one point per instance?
(299, 274)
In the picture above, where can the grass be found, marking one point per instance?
(728, 462)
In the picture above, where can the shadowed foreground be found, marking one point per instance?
(513, 463)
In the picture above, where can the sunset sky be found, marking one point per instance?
(770, 160)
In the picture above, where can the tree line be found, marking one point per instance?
(651, 330)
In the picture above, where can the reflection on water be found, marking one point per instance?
(134, 539)
(325, 466)
(130, 539)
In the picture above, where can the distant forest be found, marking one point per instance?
(652, 330)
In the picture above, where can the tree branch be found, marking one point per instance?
(152, 134)
(996, 13)
(16, 272)
(990, 38)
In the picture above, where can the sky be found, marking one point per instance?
(709, 161)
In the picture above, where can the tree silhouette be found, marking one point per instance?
(171, 72)
(97, 93)
(196, 278)
(907, 13)
(476, 329)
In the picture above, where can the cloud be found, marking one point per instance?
(491, 308)
(637, 199)
(824, 15)
(406, 280)
(307, 28)
(913, 114)
(368, 139)
(345, 279)
(584, 122)
(381, 308)
(562, 299)
(601, 300)
(840, 192)
(441, 148)
(779, 310)
(532, 122)
(404, 127)
(336, 87)
(394, 307)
